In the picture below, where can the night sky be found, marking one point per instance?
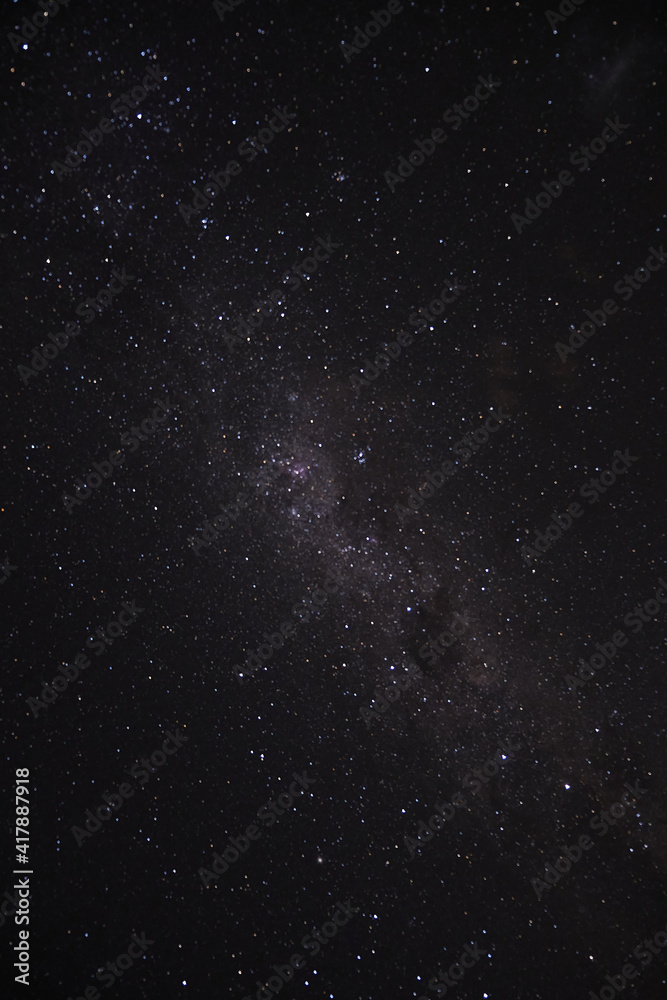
(334, 368)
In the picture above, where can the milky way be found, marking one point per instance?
(327, 535)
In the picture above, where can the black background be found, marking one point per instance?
(347, 456)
